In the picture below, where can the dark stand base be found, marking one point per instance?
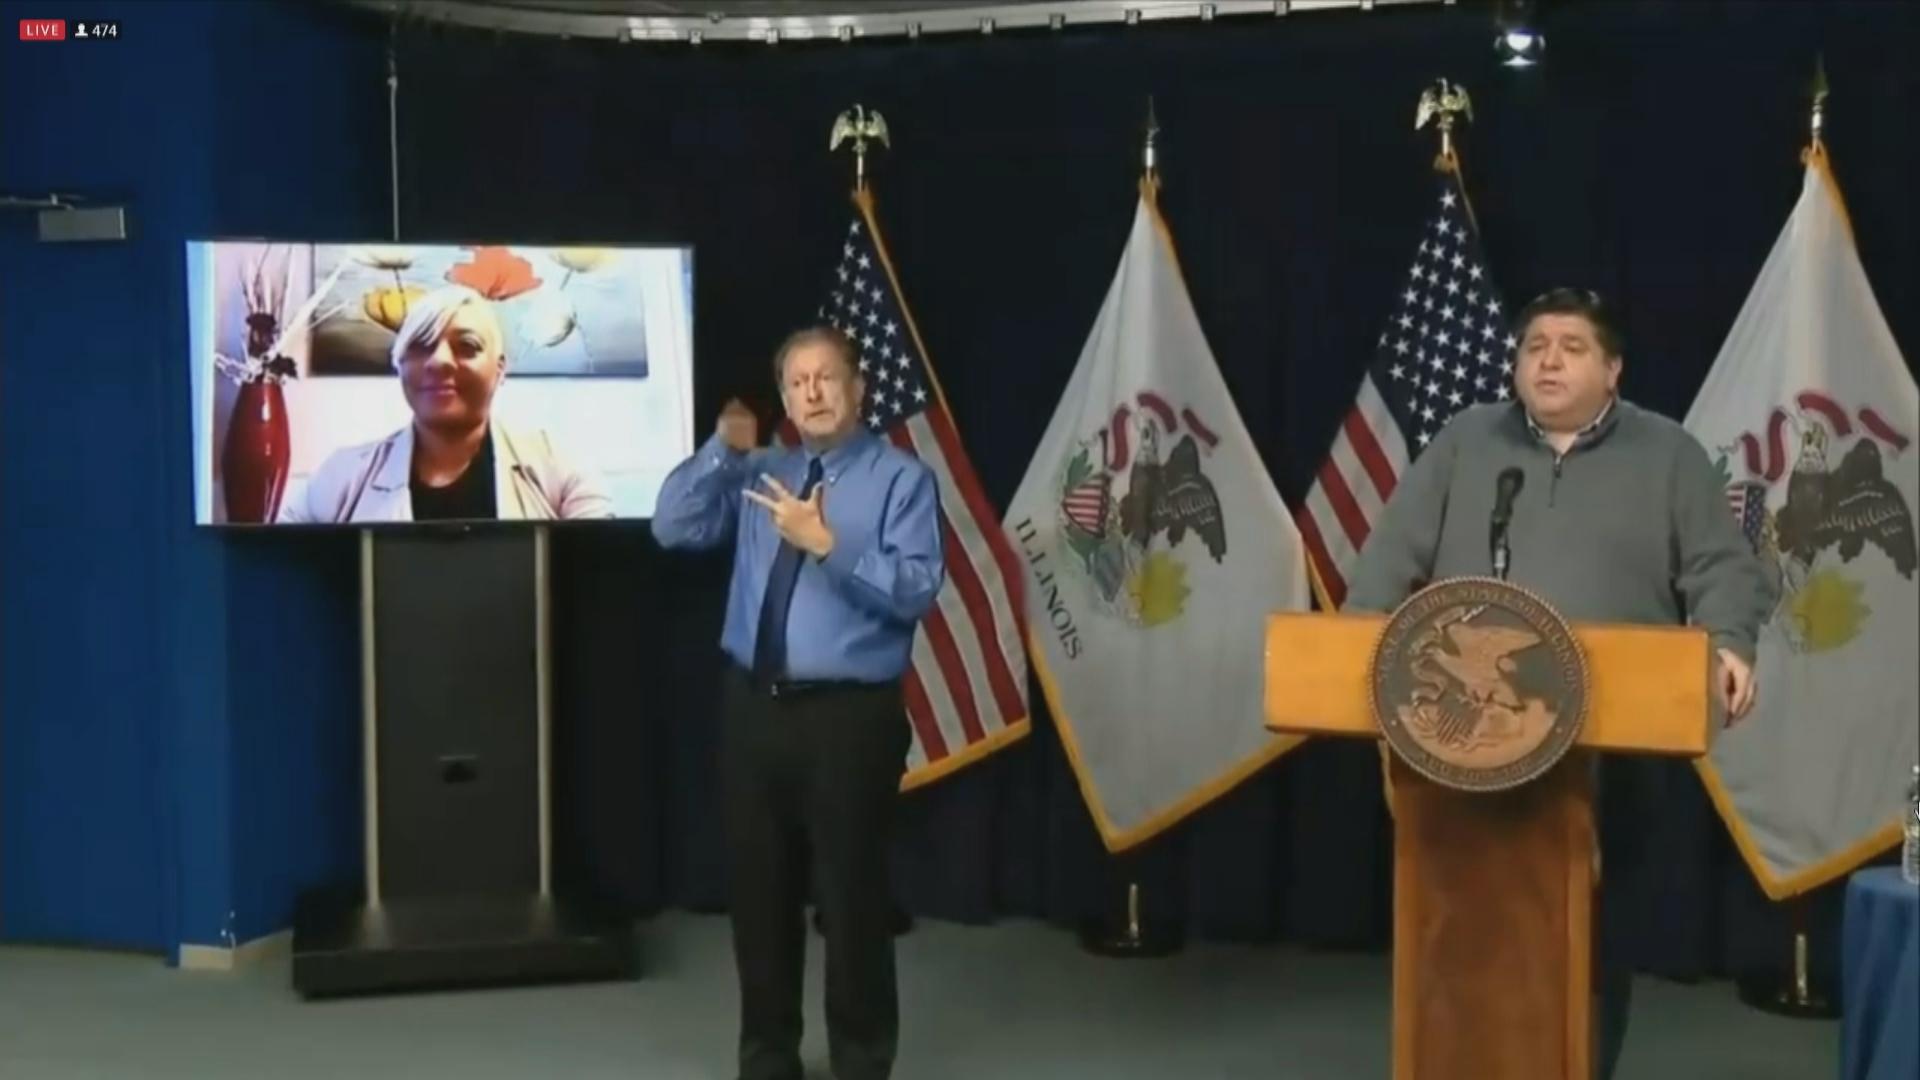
(340, 947)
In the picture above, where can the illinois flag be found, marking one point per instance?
(1813, 416)
(1155, 545)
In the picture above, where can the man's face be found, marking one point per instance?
(821, 393)
(1563, 375)
(450, 385)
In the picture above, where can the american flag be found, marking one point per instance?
(966, 693)
(1446, 347)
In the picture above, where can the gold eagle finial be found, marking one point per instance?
(1445, 100)
(859, 125)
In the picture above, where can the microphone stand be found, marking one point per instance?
(1502, 553)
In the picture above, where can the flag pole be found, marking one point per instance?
(1135, 937)
(1150, 152)
(1817, 121)
(1798, 998)
(1442, 104)
(859, 124)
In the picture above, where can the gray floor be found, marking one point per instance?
(1009, 1002)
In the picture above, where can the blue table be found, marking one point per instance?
(1880, 978)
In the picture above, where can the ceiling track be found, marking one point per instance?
(856, 24)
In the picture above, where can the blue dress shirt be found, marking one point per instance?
(854, 612)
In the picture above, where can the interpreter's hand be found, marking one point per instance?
(1735, 683)
(738, 427)
(801, 521)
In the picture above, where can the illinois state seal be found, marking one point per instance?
(1478, 685)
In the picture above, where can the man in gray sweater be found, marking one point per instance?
(1619, 517)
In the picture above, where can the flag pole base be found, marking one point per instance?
(1796, 998)
(1766, 993)
(1098, 936)
(1132, 939)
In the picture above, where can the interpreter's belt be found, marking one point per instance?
(796, 688)
(793, 688)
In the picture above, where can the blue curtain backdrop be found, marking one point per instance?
(1653, 156)
(178, 724)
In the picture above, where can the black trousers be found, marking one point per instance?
(1625, 799)
(1613, 976)
(810, 780)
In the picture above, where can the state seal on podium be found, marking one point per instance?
(1478, 684)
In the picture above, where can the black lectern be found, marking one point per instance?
(456, 736)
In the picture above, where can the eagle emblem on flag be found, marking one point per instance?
(1839, 508)
(1112, 533)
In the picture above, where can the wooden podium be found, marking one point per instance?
(1492, 926)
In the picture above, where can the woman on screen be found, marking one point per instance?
(454, 461)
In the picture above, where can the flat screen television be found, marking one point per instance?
(377, 384)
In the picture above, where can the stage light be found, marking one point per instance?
(1517, 42)
(1520, 47)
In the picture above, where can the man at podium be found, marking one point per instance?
(1609, 513)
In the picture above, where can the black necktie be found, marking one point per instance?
(770, 642)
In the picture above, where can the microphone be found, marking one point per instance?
(1506, 488)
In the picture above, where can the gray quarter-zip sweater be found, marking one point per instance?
(1630, 525)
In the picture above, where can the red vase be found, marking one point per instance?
(254, 462)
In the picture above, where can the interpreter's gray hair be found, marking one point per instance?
(822, 334)
(428, 318)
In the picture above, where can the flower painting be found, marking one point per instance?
(566, 311)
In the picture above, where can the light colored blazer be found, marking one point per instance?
(370, 482)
